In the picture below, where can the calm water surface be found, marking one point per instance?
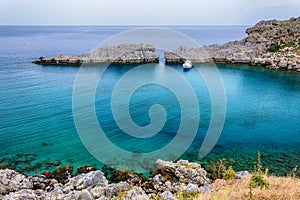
(36, 121)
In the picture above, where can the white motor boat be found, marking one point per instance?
(187, 64)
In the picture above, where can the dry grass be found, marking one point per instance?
(281, 188)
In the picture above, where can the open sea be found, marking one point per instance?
(37, 128)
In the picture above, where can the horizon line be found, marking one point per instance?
(151, 25)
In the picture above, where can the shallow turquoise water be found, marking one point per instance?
(36, 119)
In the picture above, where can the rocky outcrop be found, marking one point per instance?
(169, 179)
(184, 171)
(84, 181)
(121, 54)
(273, 44)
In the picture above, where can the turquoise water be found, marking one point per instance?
(36, 119)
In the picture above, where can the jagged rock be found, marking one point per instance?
(113, 189)
(136, 193)
(85, 195)
(241, 174)
(158, 179)
(84, 181)
(11, 181)
(22, 195)
(191, 188)
(121, 54)
(184, 171)
(98, 192)
(40, 182)
(204, 189)
(167, 195)
(282, 64)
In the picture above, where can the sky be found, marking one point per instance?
(144, 12)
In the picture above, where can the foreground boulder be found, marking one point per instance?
(84, 181)
(183, 171)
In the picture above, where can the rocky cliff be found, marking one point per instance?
(273, 44)
(121, 54)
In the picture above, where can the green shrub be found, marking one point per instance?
(290, 44)
(274, 48)
(218, 169)
(229, 174)
(257, 180)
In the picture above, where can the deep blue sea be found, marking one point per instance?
(37, 128)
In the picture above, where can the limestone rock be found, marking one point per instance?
(11, 181)
(22, 195)
(85, 195)
(191, 188)
(204, 189)
(136, 193)
(167, 195)
(113, 189)
(184, 171)
(84, 181)
(241, 174)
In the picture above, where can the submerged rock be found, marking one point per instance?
(45, 144)
(5, 165)
(86, 169)
(24, 158)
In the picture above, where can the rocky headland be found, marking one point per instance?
(121, 54)
(273, 44)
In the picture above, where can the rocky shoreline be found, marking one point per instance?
(273, 44)
(168, 179)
